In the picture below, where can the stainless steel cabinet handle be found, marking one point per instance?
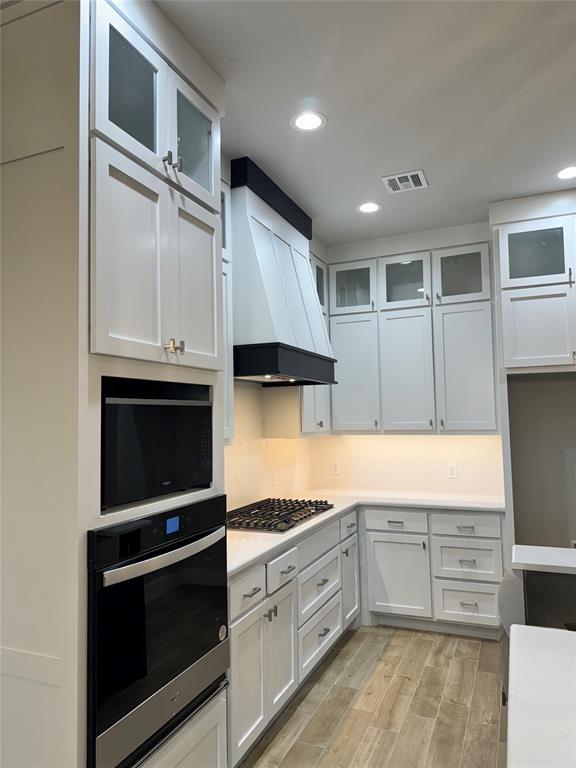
(428, 298)
(570, 281)
(253, 591)
(376, 423)
(177, 165)
(469, 603)
(170, 345)
(350, 526)
(442, 423)
(372, 302)
(462, 527)
(324, 632)
(438, 298)
(288, 570)
(431, 423)
(467, 560)
(396, 522)
(268, 615)
(346, 552)
(181, 348)
(168, 158)
(323, 582)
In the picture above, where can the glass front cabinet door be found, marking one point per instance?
(404, 281)
(461, 274)
(353, 287)
(538, 252)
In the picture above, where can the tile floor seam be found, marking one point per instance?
(469, 711)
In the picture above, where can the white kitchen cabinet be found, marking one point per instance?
(355, 397)
(399, 574)
(459, 558)
(464, 366)
(407, 370)
(312, 313)
(282, 650)
(350, 580)
(461, 274)
(320, 273)
(317, 583)
(539, 326)
(318, 635)
(466, 602)
(228, 351)
(315, 404)
(404, 281)
(199, 743)
(226, 220)
(156, 285)
(353, 287)
(541, 252)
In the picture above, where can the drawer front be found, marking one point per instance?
(247, 591)
(393, 519)
(318, 583)
(318, 543)
(280, 570)
(348, 525)
(318, 635)
(466, 602)
(479, 559)
(464, 524)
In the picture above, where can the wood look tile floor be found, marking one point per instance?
(394, 698)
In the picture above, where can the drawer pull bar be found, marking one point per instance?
(462, 527)
(253, 591)
(288, 570)
(323, 582)
(346, 552)
(469, 603)
(396, 522)
(324, 632)
(350, 526)
(463, 560)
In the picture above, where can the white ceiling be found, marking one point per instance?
(480, 95)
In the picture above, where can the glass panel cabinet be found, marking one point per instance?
(404, 281)
(538, 252)
(353, 287)
(320, 273)
(461, 274)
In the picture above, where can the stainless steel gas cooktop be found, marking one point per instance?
(275, 515)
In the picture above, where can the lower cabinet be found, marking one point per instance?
(350, 580)
(199, 743)
(466, 602)
(281, 649)
(399, 574)
(319, 634)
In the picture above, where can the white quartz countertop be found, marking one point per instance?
(247, 548)
(542, 698)
(549, 559)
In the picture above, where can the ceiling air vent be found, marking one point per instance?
(405, 182)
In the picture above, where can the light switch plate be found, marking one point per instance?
(452, 471)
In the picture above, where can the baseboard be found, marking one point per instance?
(442, 627)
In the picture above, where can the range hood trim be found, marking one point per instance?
(253, 361)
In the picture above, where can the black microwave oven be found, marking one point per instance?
(156, 439)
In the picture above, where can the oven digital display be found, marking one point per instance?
(173, 524)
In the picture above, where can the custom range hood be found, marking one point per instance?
(280, 336)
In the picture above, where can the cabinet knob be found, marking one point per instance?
(320, 424)
(442, 423)
(438, 298)
(431, 423)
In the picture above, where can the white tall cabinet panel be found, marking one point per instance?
(407, 370)
(131, 273)
(350, 580)
(399, 574)
(228, 349)
(355, 398)
(353, 287)
(294, 300)
(539, 326)
(464, 364)
(315, 404)
(281, 642)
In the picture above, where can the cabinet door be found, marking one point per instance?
(406, 370)
(282, 643)
(399, 574)
(130, 266)
(538, 252)
(320, 272)
(404, 281)
(315, 404)
(228, 349)
(461, 274)
(199, 743)
(248, 684)
(539, 326)
(194, 142)
(464, 365)
(353, 287)
(197, 283)
(226, 220)
(130, 96)
(350, 580)
(355, 398)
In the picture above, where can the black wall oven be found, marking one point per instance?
(157, 627)
(156, 439)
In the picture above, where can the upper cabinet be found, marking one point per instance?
(353, 287)
(226, 219)
(320, 274)
(141, 104)
(461, 274)
(540, 252)
(404, 281)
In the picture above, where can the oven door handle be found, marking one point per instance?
(126, 572)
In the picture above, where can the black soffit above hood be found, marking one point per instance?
(277, 364)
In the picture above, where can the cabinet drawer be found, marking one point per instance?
(479, 559)
(466, 602)
(463, 524)
(280, 570)
(348, 525)
(393, 519)
(315, 545)
(318, 583)
(318, 635)
(247, 590)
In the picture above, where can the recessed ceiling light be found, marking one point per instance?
(369, 207)
(308, 121)
(567, 173)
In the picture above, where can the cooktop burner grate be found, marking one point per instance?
(275, 515)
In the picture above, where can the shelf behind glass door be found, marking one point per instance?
(461, 274)
(194, 142)
(541, 252)
(353, 287)
(404, 281)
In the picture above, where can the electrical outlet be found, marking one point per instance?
(452, 471)
(274, 477)
(334, 468)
